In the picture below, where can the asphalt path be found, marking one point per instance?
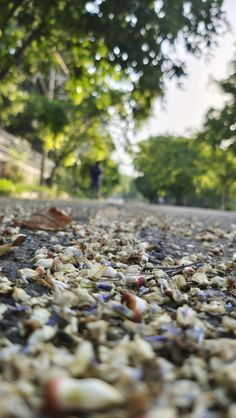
(155, 237)
(83, 208)
(179, 231)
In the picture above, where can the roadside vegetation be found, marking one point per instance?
(74, 72)
(197, 171)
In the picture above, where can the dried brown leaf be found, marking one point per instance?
(52, 219)
(5, 248)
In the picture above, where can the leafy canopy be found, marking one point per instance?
(220, 124)
(110, 57)
(133, 38)
(185, 171)
(167, 166)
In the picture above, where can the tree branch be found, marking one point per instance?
(20, 51)
(16, 5)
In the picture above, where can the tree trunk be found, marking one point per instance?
(224, 197)
(50, 94)
(53, 173)
(43, 166)
(179, 199)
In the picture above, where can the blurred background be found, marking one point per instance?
(147, 88)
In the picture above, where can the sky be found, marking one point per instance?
(182, 110)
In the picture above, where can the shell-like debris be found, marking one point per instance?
(126, 316)
(65, 394)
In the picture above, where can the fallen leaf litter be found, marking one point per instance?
(102, 324)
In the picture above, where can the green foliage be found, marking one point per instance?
(24, 190)
(219, 135)
(7, 187)
(69, 66)
(220, 124)
(184, 171)
(12, 188)
(77, 178)
(40, 121)
(168, 166)
(127, 40)
(195, 171)
(127, 189)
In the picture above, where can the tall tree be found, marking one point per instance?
(186, 171)
(115, 55)
(220, 124)
(219, 133)
(168, 166)
(135, 36)
(67, 123)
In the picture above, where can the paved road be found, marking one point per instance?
(178, 337)
(84, 209)
(179, 230)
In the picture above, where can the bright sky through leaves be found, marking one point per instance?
(183, 109)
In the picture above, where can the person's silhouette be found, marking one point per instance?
(96, 177)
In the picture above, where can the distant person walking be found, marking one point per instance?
(96, 179)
